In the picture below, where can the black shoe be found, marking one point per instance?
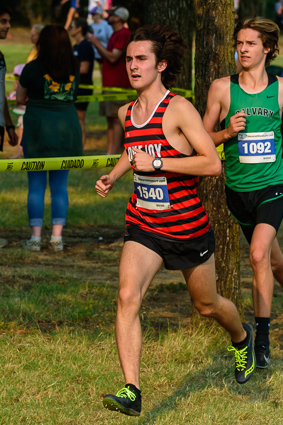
(244, 358)
(127, 401)
(262, 355)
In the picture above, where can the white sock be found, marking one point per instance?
(55, 238)
(35, 238)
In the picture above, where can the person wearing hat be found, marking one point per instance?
(114, 72)
(101, 29)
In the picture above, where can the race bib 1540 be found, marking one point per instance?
(152, 192)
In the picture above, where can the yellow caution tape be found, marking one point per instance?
(221, 151)
(116, 89)
(176, 90)
(11, 77)
(69, 163)
(129, 95)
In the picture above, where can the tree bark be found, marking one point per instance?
(214, 58)
(179, 15)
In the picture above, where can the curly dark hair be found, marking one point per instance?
(269, 34)
(167, 45)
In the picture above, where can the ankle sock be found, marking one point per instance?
(55, 238)
(35, 238)
(242, 344)
(262, 331)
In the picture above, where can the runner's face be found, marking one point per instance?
(141, 65)
(4, 25)
(250, 48)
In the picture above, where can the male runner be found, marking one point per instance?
(248, 106)
(5, 119)
(165, 218)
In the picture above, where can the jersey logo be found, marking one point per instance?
(268, 97)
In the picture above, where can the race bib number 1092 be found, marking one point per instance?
(256, 148)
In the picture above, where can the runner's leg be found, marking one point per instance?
(277, 262)
(260, 250)
(202, 288)
(138, 265)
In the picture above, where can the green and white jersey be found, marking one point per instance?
(254, 156)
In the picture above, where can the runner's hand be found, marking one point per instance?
(104, 185)
(142, 161)
(13, 138)
(237, 123)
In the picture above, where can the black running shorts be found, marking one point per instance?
(176, 255)
(258, 206)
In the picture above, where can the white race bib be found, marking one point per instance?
(255, 148)
(152, 192)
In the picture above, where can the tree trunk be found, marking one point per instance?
(179, 15)
(214, 58)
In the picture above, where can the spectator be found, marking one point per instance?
(114, 72)
(19, 110)
(84, 52)
(34, 34)
(5, 119)
(101, 29)
(278, 9)
(51, 127)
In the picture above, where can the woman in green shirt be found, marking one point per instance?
(48, 87)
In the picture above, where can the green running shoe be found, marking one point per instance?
(127, 401)
(244, 358)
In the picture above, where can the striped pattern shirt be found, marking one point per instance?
(186, 217)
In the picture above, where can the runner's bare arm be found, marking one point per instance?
(215, 108)
(184, 117)
(106, 182)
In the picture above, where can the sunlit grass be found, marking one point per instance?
(58, 353)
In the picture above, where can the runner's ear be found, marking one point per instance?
(162, 65)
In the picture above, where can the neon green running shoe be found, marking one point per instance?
(244, 358)
(127, 401)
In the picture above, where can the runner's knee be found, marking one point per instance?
(127, 297)
(258, 257)
(206, 310)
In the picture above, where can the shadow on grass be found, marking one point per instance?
(209, 378)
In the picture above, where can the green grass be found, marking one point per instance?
(57, 353)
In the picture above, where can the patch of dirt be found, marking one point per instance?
(18, 36)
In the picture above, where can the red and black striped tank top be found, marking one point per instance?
(163, 204)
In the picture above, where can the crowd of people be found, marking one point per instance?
(46, 92)
(167, 146)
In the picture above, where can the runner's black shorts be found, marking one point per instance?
(258, 206)
(176, 255)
